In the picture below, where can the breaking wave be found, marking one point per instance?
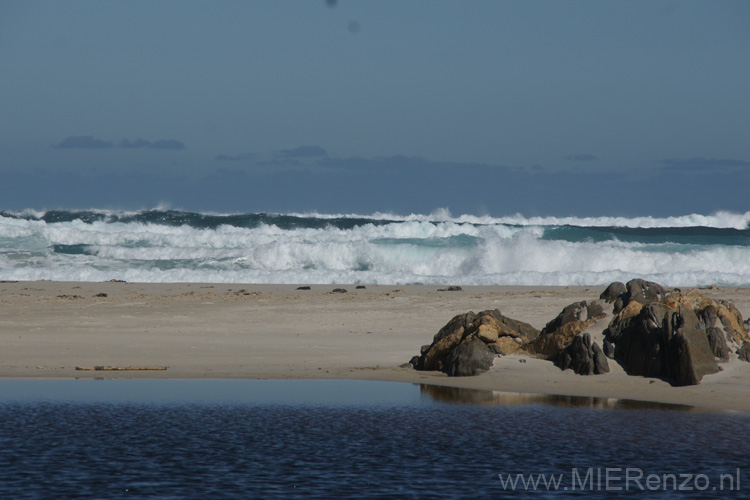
(438, 248)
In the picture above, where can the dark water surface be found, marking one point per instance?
(171, 439)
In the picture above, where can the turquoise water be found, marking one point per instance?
(348, 439)
(173, 246)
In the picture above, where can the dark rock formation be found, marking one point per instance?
(744, 352)
(647, 323)
(496, 334)
(613, 292)
(644, 291)
(719, 314)
(609, 349)
(718, 343)
(451, 289)
(559, 333)
(469, 358)
(583, 356)
(339, 290)
(661, 339)
(638, 290)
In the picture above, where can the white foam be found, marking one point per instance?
(721, 219)
(414, 250)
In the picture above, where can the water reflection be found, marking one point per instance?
(459, 395)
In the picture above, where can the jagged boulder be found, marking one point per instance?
(661, 339)
(583, 357)
(718, 320)
(644, 291)
(613, 292)
(609, 349)
(638, 290)
(469, 342)
(718, 343)
(433, 356)
(744, 352)
(469, 358)
(719, 314)
(559, 333)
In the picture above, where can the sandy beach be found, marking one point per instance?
(47, 329)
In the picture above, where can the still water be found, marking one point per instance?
(209, 439)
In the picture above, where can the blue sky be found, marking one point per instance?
(485, 107)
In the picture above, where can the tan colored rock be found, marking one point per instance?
(560, 332)
(434, 357)
(506, 346)
(490, 327)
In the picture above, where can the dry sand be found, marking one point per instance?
(47, 329)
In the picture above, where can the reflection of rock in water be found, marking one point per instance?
(460, 395)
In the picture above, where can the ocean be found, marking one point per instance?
(163, 245)
(288, 439)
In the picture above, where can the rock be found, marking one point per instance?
(444, 342)
(609, 349)
(721, 314)
(744, 352)
(644, 291)
(577, 356)
(613, 292)
(704, 326)
(559, 333)
(601, 365)
(661, 340)
(641, 291)
(583, 357)
(339, 290)
(718, 343)
(361, 287)
(506, 345)
(469, 358)
(577, 312)
(498, 334)
(509, 327)
(451, 289)
(303, 288)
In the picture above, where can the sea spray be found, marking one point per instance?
(175, 246)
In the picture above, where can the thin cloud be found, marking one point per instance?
(144, 144)
(700, 163)
(136, 144)
(581, 157)
(240, 157)
(302, 152)
(401, 163)
(83, 142)
(283, 162)
(167, 144)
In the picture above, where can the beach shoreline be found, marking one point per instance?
(230, 331)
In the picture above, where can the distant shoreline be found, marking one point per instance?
(204, 330)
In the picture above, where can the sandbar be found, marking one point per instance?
(202, 330)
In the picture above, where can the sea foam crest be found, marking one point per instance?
(720, 219)
(413, 250)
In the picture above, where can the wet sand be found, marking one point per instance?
(47, 329)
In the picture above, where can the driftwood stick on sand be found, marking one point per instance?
(119, 368)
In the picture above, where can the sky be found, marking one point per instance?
(538, 107)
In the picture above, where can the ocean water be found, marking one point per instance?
(174, 246)
(178, 439)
